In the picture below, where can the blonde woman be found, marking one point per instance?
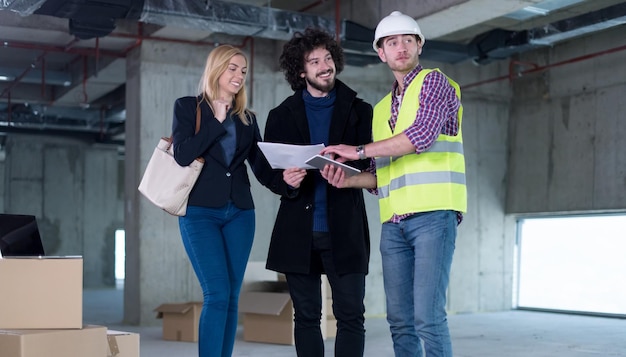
(218, 229)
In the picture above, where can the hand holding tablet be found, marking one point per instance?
(320, 161)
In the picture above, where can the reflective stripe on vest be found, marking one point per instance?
(438, 146)
(432, 180)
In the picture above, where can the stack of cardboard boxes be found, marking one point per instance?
(41, 311)
(265, 306)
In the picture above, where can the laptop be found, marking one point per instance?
(19, 236)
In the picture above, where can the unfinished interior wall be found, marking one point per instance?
(72, 188)
(568, 131)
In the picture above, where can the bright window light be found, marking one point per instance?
(120, 254)
(573, 264)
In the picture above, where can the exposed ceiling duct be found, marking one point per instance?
(89, 19)
(231, 18)
(579, 25)
(22, 7)
(89, 125)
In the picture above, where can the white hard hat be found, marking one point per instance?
(396, 23)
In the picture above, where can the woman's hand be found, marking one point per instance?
(220, 108)
(294, 176)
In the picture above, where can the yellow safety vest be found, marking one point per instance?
(430, 181)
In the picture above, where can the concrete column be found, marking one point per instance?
(2, 177)
(103, 207)
(157, 268)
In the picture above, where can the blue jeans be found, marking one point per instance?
(416, 257)
(218, 242)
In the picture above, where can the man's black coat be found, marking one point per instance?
(290, 246)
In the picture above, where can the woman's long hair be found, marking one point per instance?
(217, 63)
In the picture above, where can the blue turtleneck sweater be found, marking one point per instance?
(319, 112)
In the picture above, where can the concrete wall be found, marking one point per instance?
(72, 188)
(568, 130)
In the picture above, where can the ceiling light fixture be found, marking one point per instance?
(536, 10)
(541, 9)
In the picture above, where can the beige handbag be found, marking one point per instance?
(167, 184)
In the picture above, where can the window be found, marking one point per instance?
(120, 255)
(575, 263)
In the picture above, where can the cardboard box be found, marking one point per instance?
(268, 312)
(122, 344)
(180, 320)
(41, 292)
(268, 317)
(89, 341)
(331, 327)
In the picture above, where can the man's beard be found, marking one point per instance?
(404, 67)
(322, 86)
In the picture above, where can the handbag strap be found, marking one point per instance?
(198, 120)
(198, 117)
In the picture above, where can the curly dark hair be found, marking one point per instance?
(293, 57)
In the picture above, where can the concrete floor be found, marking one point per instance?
(498, 334)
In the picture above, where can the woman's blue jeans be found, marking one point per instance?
(416, 258)
(218, 242)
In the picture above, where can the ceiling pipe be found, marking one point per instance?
(97, 64)
(9, 110)
(161, 39)
(43, 78)
(19, 78)
(232, 18)
(536, 68)
(251, 70)
(61, 49)
(337, 21)
(310, 6)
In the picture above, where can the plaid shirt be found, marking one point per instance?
(437, 114)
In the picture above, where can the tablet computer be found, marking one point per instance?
(320, 161)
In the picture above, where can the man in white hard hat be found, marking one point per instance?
(418, 171)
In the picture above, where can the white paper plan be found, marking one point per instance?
(284, 156)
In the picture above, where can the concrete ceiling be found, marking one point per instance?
(59, 80)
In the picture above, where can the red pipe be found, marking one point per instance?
(48, 48)
(137, 41)
(19, 78)
(43, 78)
(161, 39)
(9, 110)
(541, 68)
(310, 6)
(97, 56)
(102, 110)
(337, 21)
(251, 69)
(85, 97)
